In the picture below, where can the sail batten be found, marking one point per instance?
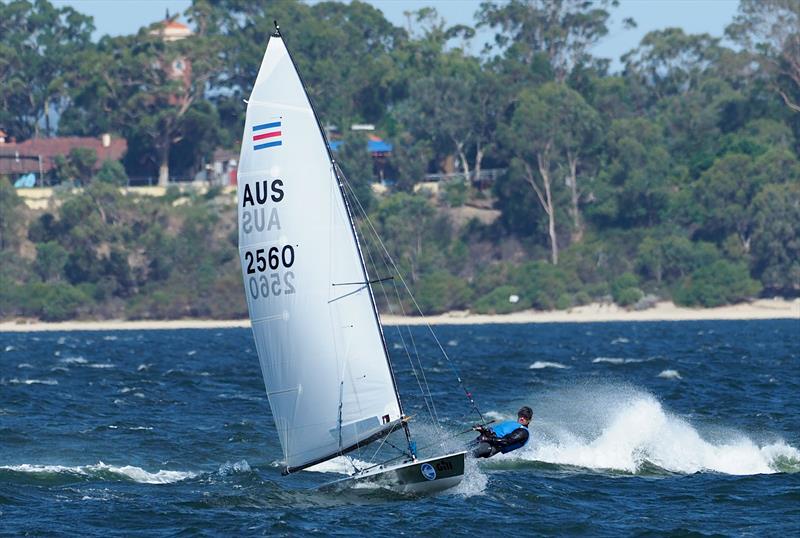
(324, 363)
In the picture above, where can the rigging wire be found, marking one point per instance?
(416, 305)
(425, 396)
(419, 360)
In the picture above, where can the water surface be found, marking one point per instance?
(662, 427)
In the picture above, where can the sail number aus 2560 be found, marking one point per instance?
(270, 285)
(274, 258)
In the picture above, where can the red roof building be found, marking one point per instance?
(38, 155)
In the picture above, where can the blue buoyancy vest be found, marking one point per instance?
(505, 428)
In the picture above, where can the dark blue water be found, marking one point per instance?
(639, 428)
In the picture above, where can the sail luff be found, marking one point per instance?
(336, 171)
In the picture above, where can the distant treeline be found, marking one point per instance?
(676, 178)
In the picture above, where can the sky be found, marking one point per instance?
(119, 17)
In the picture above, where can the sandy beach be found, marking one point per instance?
(664, 311)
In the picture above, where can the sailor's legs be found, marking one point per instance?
(484, 450)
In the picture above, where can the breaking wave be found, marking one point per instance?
(539, 365)
(100, 471)
(615, 360)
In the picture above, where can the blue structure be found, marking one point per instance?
(373, 146)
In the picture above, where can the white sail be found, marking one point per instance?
(318, 338)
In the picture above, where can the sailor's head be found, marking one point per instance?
(524, 415)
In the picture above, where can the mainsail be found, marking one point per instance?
(319, 342)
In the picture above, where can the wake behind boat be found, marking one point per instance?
(316, 326)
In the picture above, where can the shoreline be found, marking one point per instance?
(592, 313)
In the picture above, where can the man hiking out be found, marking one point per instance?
(504, 437)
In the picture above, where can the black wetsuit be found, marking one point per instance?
(490, 444)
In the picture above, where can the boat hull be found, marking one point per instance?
(419, 477)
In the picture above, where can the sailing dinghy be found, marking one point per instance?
(317, 330)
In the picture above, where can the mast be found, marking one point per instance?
(340, 185)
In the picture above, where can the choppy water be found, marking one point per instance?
(639, 428)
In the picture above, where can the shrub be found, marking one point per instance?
(564, 301)
(112, 172)
(440, 291)
(496, 301)
(582, 298)
(628, 296)
(720, 283)
(52, 302)
(542, 284)
(456, 193)
(50, 260)
(625, 289)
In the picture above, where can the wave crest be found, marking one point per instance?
(102, 470)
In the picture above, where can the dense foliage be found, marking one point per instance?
(675, 178)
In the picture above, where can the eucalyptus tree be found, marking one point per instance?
(549, 125)
(671, 62)
(770, 30)
(343, 51)
(562, 31)
(356, 163)
(150, 90)
(39, 45)
(776, 237)
(457, 108)
(633, 185)
(10, 215)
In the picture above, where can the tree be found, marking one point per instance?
(438, 108)
(83, 160)
(332, 35)
(776, 237)
(39, 48)
(356, 164)
(770, 30)
(531, 137)
(412, 232)
(671, 62)
(9, 214)
(725, 193)
(409, 160)
(671, 258)
(561, 30)
(717, 284)
(580, 125)
(147, 89)
(550, 124)
(112, 172)
(458, 108)
(632, 186)
(50, 260)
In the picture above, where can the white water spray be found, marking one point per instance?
(621, 428)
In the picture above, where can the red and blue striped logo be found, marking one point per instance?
(267, 135)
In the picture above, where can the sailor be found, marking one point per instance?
(504, 437)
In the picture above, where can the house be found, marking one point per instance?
(37, 155)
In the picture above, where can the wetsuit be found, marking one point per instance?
(504, 437)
